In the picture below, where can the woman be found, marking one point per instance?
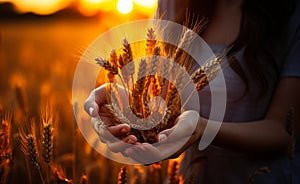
(262, 84)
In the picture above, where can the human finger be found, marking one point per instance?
(97, 98)
(121, 145)
(185, 126)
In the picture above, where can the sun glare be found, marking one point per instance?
(42, 7)
(124, 6)
(85, 7)
(91, 7)
(146, 3)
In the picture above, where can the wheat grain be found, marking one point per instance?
(209, 67)
(107, 65)
(139, 87)
(151, 41)
(113, 58)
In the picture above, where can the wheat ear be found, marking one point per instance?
(29, 147)
(204, 75)
(153, 71)
(173, 171)
(113, 58)
(139, 87)
(107, 65)
(151, 41)
(5, 147)
(258, 172)
(116, 112)
(122, 179)
(128, 59)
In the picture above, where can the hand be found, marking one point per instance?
(172, 142)
(114, 135)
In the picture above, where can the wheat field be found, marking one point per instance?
(38, 60)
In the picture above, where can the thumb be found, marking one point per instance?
(163, 135)
(185, 126)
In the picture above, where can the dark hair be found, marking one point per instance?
(261, 32)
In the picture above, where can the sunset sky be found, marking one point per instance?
(86, 7)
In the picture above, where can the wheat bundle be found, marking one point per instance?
(144, 113)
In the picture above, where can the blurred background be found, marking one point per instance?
(41, 42)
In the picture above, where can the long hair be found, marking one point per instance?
(262, 29)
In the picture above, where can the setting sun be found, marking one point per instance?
(125, 6)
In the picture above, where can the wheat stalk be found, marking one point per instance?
(84, 179)
(59, 177)
(258, 172)
(22, 99)
(5, 147)
(185, 42)
(173, 171)
(291, 130)
(154, 173)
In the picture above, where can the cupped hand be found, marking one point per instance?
(115, 135)
(172, 142)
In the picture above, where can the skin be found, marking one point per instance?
(256, 137)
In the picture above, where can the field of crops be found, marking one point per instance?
(37, 63)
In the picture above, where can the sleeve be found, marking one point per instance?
(291, 62)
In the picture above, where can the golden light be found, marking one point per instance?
(124, 6)
(42, 7)
(91, 7)
(146, 3)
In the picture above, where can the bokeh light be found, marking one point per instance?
(42, 7)
(124, 6)
(86, 7)
(92, 7)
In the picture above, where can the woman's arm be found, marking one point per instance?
(257, 137)
(270, 133)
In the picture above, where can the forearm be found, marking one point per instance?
(253, 137)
